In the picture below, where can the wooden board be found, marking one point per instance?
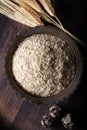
(17, 113)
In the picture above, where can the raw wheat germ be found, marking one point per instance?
(43, 65)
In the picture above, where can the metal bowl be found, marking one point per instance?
(55, 32)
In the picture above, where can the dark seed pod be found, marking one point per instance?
(67, 121)
(46, 121)
(54, 111)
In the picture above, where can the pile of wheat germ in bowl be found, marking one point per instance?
(43, 65)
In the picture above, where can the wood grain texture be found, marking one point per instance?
(17, 113)
(9, 103)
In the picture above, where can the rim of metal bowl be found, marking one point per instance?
(74, 83)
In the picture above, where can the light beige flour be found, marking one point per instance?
(43, 65)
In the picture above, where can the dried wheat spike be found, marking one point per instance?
(20, 12)
(47, 4)
(34, 4)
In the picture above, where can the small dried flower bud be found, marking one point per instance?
(46, 121)
(67, 121)
(54, 111)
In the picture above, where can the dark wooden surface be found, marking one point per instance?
(17, 113)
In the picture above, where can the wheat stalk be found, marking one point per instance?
(36, 6)
(47, 4)
(22, 11)
(19, 12)
(30, 13)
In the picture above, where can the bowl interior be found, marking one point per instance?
(55, 32)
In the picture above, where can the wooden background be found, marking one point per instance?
(17, 113)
